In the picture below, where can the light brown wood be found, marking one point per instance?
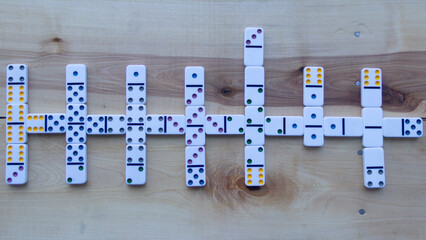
(309, 193)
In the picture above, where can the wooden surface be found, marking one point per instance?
(310, 193)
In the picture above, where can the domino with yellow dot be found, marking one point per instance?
(17, 84)
(254, 166)
(371, 87)
(313, 86)
(15, 123)
(16, 164)
(46, 123)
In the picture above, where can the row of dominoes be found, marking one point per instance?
(254, 99)
(195, 124)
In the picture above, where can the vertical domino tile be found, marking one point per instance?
(253, 46)
(254, 131)
(313, 86)
(194, 86)
(76, 80)
(136, 84)
(76, 163)
(371, 87)
(135, 164)
(16, 164)
(254, 86)
(17, 84)
(374, 168)
(195, 165)
(254, 166)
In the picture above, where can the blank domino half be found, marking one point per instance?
(254, 133)
(371, 87)
(373, 132)
(403, 127)
(136, 84)
(313, 119)
(16, 123)
(76, 164)
(254, 86)
(254, 166)
(284, 126)
(195, 164)
(313, 86)
(16, 163)
(374, 167)
(76, 80)
(253, 46)
(343, 127)
(225, 124)
(194, 86)
(135, 164)
(17, 84)
(165, 124)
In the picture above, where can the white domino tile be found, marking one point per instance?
(16, 123)
(165, 124)
(16, 84)
(195, 134)
(135, 164)
(195, 164)
(253, 46)
(46, 123)
(403, 127)
(76, 80)
(371, 87)
(76, 164)
(136, 84)
(16, 163)
(313, 86)
(343, 127)
(374, 167)
(254, 166)
(313, 119)
(373, 132)
(224, 124)
(76, 119)
(254, 130)
(284, 126)
(194, 86)
(106, 124)
(254, 86)
(136, 116)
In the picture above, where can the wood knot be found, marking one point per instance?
(56, 39)
(227, 91)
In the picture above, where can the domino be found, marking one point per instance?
(254, 86)
(195, 134)
(254, 117)
(76, 164)
(253, 46)
(374, 168)
(76, 119)
(403, 127)
(135, 164)
(195, 165)
(17, 84)
(313, 86)
(165, 124)
(343, 127)
(284, 126)
(136, 115)
(373, 132)
(194, 86)
(255, 166)
(136, 84)
(46, 123)
(15, 123)
(313, 119)
(225, 124)
(371, 87)
(76, 80)
(16, 164)
(106, 124)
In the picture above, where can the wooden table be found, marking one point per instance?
(310, 193)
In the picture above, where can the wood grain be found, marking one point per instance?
(309, 194)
